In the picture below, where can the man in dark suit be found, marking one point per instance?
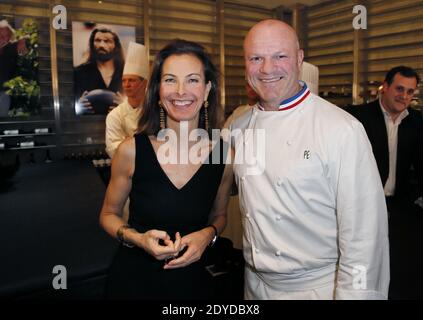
(395, 132)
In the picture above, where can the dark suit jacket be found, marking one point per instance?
(410, 145)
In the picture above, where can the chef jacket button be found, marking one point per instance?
(278, 217)
(257, 250)
(289, 142)
(279, 182)
(247, 215)
(243, 178)
(278, 253)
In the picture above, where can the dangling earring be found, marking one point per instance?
(162, 116)
(206, 115)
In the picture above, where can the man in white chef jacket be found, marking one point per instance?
(122, 121)
(313, 207)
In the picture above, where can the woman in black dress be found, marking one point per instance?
(178, 183)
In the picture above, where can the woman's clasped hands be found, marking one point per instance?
(159, 244)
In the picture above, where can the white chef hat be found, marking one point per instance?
(136, 60)
(310, 75)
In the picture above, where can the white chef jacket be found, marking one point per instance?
(235, 114)
(121, 123)
(313, 207)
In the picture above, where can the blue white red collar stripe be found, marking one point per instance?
(294, 100)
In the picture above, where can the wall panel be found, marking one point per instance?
(238, 20)
(394, 36)
(330, 46)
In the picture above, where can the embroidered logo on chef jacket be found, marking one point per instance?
(307, 154)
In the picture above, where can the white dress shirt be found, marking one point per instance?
(313, 207)
(392, 131)
(121, 123)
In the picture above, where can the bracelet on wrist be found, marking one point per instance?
(120, 237)
(216, 234)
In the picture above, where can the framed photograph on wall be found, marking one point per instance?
(19, 83)
(99, 52)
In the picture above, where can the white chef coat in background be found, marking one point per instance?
(121, 123)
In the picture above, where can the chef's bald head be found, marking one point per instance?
(273, 61)
(276, 29)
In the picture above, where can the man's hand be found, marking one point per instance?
(118, 99)
(84, 104)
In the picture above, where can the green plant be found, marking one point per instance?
(24, 94)
(28, 63)
(24, 89)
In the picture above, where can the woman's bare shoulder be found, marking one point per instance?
(126, 149)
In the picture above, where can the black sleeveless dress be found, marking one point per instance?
(155, 203)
